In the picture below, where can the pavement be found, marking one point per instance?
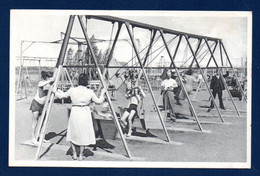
(217, 142)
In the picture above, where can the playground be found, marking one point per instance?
(220, 143)
(201, 129)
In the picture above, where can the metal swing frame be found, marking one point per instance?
(129, 24)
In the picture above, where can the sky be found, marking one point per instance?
(40, 25)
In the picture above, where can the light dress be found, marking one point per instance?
(190, 79)
(80, 126)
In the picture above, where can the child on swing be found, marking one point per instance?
(134, 94)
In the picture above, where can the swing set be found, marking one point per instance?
(142, 64)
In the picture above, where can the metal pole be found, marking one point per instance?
(114, 44)
(68, 75)
(179, 77)
(206, 51)
(196, 52)
(111, 52)
(213, 52)
(20, 70)
(149, 48)
(147, 80)
(104, 85)
(147, 53)
(220, 50)
(221, 75)
(50, 96)
(239, 85)
(39, 69)
(201, 72)
(197, 90)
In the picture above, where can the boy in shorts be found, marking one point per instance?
(39, 100)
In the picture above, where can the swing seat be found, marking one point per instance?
(106, 129)
(235, 93)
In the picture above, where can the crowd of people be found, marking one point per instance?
(81, 132)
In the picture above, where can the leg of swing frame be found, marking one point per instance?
(46, 120)
(111, 51)
(50, 98)
(222, 78)
(147, 80)
(179, 77)
(69, 78)
(42, 117)
(201, 72)
(234, 73)
(104, 85)
(197, 90)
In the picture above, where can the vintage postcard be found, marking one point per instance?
(139, 89)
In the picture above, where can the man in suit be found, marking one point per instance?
(217, 85)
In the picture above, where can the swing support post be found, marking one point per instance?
(50, 96)
(197, 90)
(234, 73)
(201, 72)
(196, 52)
(147, 80)
(221, 75)
(104, 86)
(178, 75)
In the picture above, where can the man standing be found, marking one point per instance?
(168, 95)
(217, 85)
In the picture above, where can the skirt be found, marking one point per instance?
(36, 107)
(80, 126)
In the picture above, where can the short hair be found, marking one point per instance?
(44, 75)
(83, 79)
(189, 72)
(49, 74)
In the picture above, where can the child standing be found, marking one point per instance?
(39, 100)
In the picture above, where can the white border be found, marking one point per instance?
(131, 164)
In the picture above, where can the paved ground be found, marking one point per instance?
(225, 143)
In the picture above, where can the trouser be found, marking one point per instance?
(168, 101)
(177, 92)
(219, 92)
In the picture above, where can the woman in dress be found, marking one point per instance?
(80, 130)
(39, 100)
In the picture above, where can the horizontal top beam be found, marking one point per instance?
(148, 26)
(145, 67)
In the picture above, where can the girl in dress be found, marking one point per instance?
(80, 130)
(39, 100)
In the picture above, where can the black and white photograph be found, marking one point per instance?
(138, 89)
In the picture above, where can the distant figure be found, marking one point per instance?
(80, 130)
(217, 85)
(39, 101)
(189, 79)
(168, 86)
